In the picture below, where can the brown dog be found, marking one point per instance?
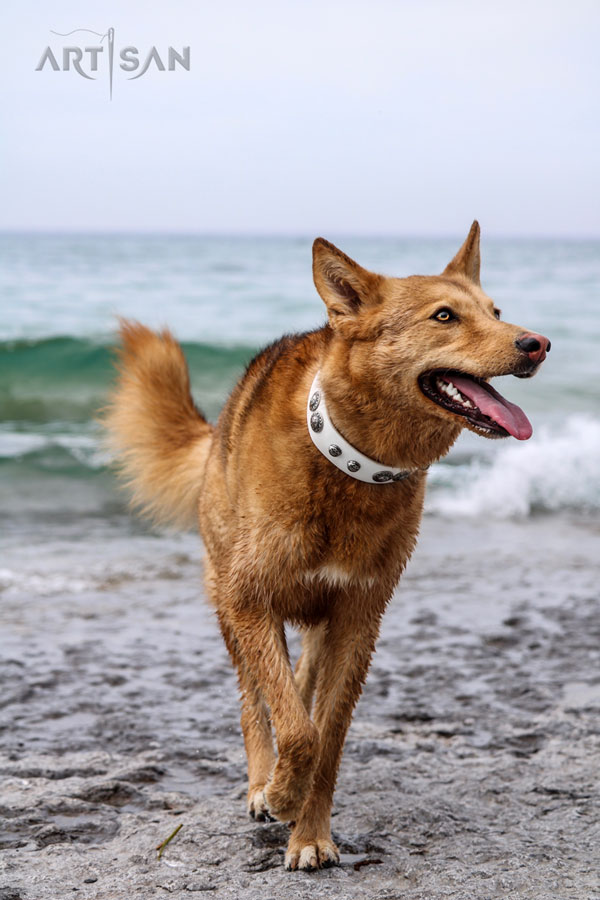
(310, 529)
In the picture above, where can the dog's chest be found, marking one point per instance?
(354, 554)
(334, 575)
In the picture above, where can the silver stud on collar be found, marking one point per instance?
(315, 400)
(352, 465)
(380, 477)
(316, 422)
(334, 450)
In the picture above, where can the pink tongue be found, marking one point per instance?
(510, 416)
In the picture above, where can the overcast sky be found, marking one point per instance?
(379, 117)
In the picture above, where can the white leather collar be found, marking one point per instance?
(338, 450)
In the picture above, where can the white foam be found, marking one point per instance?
(555, 470)
(58, 572)
(43, 584)
(84, 448)
(17, 444)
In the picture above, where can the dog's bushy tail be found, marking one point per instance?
(159, 438)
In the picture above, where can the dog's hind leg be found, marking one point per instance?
(307, 667)
(350, 642)
(260, 642)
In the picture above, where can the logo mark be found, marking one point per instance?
(84, 60)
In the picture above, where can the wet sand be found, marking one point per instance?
(470, 770)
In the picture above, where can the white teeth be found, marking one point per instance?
(451, 391)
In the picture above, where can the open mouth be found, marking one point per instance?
(485, 410)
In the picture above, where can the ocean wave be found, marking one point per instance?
(67, 379)
(77, 453)
(554, 471)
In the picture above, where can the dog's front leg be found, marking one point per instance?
(260, 641)
(256, 727)
(348, 647)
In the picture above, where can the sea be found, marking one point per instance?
(225, 297)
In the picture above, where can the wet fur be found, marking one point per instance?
(288, 537)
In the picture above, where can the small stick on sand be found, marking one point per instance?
(162, 846)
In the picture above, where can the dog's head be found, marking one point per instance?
(430, 343)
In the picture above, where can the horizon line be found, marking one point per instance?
(287, 235)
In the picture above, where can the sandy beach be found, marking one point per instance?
(470, 770)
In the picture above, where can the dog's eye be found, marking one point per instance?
(444, 315)
(497, 313)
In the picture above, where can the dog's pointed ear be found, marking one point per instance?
(345, 287)
(468, 260)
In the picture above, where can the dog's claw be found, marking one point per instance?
(257, 807)
(322, 854)
(263, 816)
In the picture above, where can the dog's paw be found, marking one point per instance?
(281, 805)
(257, 806)
(307, 857)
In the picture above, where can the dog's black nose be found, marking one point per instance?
(534, 345)
(528, 344)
